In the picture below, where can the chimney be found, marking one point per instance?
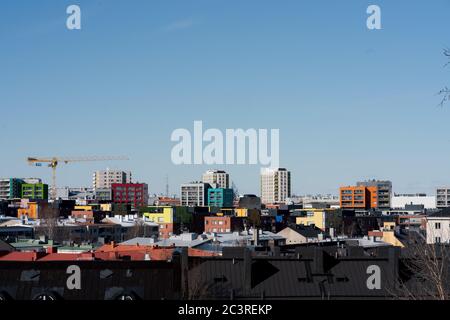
(247, 274)
(318, 260)
(255, 237)
(320, 237)
(332, 233)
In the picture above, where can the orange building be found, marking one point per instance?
(30, 209)
(167, 229)
(354, 197)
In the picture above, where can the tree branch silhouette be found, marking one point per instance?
(445, 92)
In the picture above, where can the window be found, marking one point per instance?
(437, 240)
(437, 225)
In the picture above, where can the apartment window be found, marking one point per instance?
(437, 240)
(437, 225)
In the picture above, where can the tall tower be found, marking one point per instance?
(218, 177)
(105, 178)
(275, 185)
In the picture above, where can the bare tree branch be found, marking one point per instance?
(445, 92)
(428, 266)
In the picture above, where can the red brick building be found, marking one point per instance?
(135, 194)
(223, 224)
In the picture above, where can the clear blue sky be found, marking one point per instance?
(350, 103)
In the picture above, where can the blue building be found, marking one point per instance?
(220, 197)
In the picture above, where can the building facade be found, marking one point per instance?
(194, 194)
(249, 201)
(354, 197)
(220, 197)
(104, 179)
(217, 177)
(10, 188)
(443, 197)
(103, 194)
(224, 224)
(135, 194)
(169, 218)
(400, 201)
(275, 185)
(312, 217)
(438, 229)
(36, 191)
(384, 191)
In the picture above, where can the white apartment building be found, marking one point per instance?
(443, 197)
(438, 229)
(194, 194)
(105, 178)
(399, 201)
(275, 185)
(217, 177)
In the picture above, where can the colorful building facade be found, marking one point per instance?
(358, 197)
(220, 197)
(37, 191)
(135, 194)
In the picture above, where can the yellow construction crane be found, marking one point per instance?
(53, 162)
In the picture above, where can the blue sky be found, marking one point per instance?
(350, 103)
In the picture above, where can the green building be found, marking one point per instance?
(220, 197)
(35, 191)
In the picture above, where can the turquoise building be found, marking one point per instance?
(220, 197)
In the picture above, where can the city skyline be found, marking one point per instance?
(143, 72)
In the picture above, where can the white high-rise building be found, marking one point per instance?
(217, 177)
(275, 185)
(194, 194)
(105, 178)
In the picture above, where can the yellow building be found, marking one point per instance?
(315, 217)
(160, 215)
(106, 207)
(387, 234)
(83, 208)
(225, 211)
(241, 213)
(388, 226)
